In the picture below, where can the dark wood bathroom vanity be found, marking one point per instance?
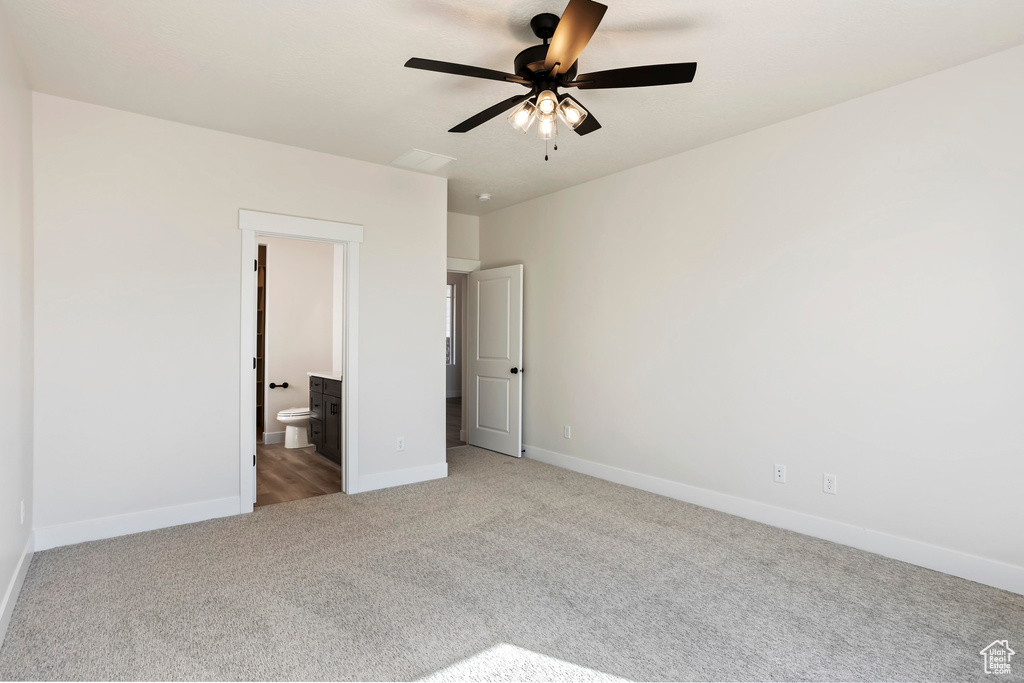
(325, 416)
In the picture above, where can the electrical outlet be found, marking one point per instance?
(828, 484)
(23, 511)
(567, 431)
(780, 473)
(400, 445)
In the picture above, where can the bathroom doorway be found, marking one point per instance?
(295, 396)
(455, 333)
(299, 310)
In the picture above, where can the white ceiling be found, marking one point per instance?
(327, 74)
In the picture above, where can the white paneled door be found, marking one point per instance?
(496, 359)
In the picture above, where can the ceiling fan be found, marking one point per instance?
(546, 68)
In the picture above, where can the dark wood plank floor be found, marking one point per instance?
(454, 422)
(284, 474)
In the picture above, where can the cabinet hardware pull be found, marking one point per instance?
(283, 385)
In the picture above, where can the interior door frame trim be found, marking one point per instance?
(253, 224)
(464, 266)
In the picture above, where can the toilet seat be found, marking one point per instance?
(296, 427)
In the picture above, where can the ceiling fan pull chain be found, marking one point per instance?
(545, 150)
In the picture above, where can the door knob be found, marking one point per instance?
(515, 371)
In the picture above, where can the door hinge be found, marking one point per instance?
(254, 362)
(254, 460)
(255, 265)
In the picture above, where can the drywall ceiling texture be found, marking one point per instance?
(328, 75)
(299, 322)
(838, 293)
(137, 304)
(15, 313)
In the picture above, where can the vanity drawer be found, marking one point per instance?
(316, 405)
(332, 387)
(316, 384)
(316, 433)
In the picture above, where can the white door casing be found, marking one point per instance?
(252, 223)
(495, 359)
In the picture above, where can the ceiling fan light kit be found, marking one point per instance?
(552, 65)
(547, 129)
(571, 112)
(547, 125)
(547, 102)
(523, 116)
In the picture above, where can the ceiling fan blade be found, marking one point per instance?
(589, 125)
(575, 29)
(637, 76)
(489, 113)
(463, 70)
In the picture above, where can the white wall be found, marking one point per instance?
(15, 319)
(842, 293)
(299, 321)
(137, 308)
(463, 236)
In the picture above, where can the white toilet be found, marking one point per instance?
(295, 421)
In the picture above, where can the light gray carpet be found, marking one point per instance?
(450, 579)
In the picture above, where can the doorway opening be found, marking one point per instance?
(455, 335)
(298, 400)
(299, 313)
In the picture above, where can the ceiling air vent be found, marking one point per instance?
(418, 160)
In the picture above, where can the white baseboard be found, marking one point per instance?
(464, 435)
(982, 570)
(412, 475)
(133, 522)
(273, 437)
(14, 587)
(454, 393)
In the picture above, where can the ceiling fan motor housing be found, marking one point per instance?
(531, 61)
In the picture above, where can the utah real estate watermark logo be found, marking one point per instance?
(997, 657)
